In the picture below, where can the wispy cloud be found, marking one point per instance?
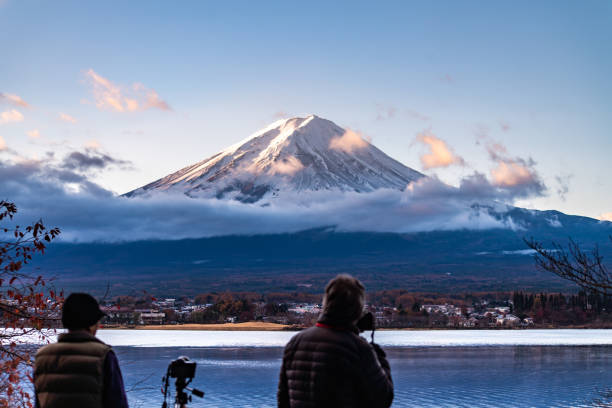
(10, 116)
(448, 78)
(417, 115)
(33, 134)
(13, 100)
(504, 126)
(280, 115)
(136, 132)
(2, 144)
(439, 155)
(110, 96)
(563, 183)
(67, 118)
(149, 98)
(384, 112)
(348, 142)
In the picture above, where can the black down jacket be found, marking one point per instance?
(330, 367)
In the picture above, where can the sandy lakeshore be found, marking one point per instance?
(247, 326)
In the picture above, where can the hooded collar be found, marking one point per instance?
(330, 322)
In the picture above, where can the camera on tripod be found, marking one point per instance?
(367, 323)
(183, 369)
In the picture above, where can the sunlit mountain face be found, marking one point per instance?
(290, 155)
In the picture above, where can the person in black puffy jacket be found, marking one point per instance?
(330, 365)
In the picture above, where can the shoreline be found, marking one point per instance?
(246, 326)
(263, 326)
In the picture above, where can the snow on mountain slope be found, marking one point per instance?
(297, 154)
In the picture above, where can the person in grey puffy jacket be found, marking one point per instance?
(330, 365)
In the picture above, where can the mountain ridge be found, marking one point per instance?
(296, 154)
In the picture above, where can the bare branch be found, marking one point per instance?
(585, 269)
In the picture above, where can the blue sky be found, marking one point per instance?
(533, 77)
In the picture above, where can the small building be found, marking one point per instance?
(152, 317)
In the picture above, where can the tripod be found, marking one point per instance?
(181, 398)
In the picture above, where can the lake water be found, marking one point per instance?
(441, 368)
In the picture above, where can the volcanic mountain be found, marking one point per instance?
(297, 154)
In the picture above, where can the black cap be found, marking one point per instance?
(81, 311)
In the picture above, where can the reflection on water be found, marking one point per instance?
(509, 376)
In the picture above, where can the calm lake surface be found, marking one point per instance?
(441, 368)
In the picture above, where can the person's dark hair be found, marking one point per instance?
(80, 311)
(344, 299)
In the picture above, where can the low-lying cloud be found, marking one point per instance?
(348, 142)
(288, 166)
(61, 193)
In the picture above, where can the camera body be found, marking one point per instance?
(366, 322)
(182, 367)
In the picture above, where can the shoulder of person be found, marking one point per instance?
(362, 343)
(45, 349)
(297, 337)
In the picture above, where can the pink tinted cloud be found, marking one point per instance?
(514, 172)
(2, 144)
(13, 100)
(67, 118)
(439, 155)
(287, 167)
(10, 116)
(33, 134)
(110, 96)
(511, 173)
(348, 142)
(92, 145)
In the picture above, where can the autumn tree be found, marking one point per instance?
(28, 307)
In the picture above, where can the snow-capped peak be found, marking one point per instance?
(296, 154)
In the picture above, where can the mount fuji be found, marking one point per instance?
(296, 155)
(391, 244)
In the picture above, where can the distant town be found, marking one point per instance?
(392, 309)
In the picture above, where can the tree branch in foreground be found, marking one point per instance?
(586, 269)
